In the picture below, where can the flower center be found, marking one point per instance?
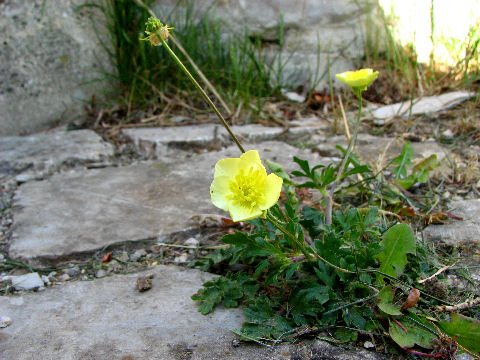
(247, 189)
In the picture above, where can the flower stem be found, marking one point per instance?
(350, 147)
(203, 93)
(303, 249)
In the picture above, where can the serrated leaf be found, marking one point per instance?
(465, 329)
(397, 242)
(386, 301)
(411, 334)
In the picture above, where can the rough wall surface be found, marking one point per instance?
(48, 52)
(317, 33)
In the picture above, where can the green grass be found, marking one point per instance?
(236, 65)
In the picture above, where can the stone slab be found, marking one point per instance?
(159, 141)
(458, 233)
(426, 105)
(45, 152)
(109, 319)
(84, 210)
(370, 148)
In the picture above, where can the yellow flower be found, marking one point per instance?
(359, 79)
(241, 186)
(156, 30)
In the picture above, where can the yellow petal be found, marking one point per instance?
(227, 167)
(241, 213)
(219, 189)
(251, 156)
(273, 187)
(359, 79)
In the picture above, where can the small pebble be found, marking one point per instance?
(72, 271)
(63, 277)
(2, 257)
(181, 259)
(144, 283)
(46, 280)
(31, 281)
(123, 256)
(378, 122)
(448, 134)
(137, 255)
(368, 345)
(192, 242)
(100, 273)
(5, 321)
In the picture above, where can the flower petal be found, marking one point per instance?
(273, 187)
(219, 189)
(251, 156)
(227, 167)
(241, 213)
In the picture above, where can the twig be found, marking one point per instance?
(436, 274)
(345, 123)
(463, 306)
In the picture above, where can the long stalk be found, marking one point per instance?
(202, 92)
(351, 145)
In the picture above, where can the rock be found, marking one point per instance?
(123, 257)
(160, 142)
(31, 281)
(46, 280)
(293, 96)
(63, 277)
(426, 105)
(46, 152)
(72, 271)
(137, 255)
(5, 321)
(458, 233)
(82, 211)
(192, 242)
(144, 283)
(370, 148)
(448, 134)
(114, 321)
(49, 54)
(100, 273)
(181, 259)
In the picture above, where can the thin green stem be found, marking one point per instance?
(350, 147)
(303, 249)
(202, 92)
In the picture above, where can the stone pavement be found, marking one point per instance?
(76, 208)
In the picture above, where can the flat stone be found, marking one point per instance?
(45, 152)
(31, 281)
(458, 233)
(426, 105)
(81, 211)
(156, 142)
(110, 319)
(373, 148)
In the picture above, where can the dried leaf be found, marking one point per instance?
(107, 258)
(412, 299)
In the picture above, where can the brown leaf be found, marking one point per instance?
(107, 258)
(412, 299)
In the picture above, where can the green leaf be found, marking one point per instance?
(403, 160)
(411, 335)
(345, 335)
(465, 329)
(386, 301)
(397, 242)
